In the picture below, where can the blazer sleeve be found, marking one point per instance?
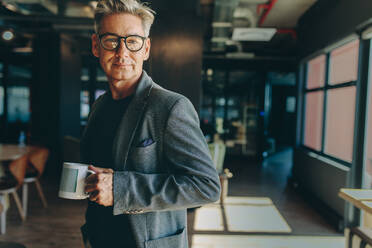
(192, 179)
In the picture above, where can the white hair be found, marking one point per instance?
(107, 7)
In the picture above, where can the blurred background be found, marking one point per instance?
(282, 88)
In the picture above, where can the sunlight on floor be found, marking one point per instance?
(223, 226)
(243, 214)
(266, 241)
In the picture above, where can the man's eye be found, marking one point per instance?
(111, 40)
(132, 41)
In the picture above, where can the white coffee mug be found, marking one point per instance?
(73, 181)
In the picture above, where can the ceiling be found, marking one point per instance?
(263, 15)
(221, 20)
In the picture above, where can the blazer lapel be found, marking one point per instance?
(130, 121)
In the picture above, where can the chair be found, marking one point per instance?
(218, 152)
(10, 184)
(36, 165)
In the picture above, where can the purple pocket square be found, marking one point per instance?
(146, 142)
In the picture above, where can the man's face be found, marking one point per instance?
(121, 64)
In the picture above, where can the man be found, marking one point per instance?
(152, 160)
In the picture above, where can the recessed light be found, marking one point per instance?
(7, 35)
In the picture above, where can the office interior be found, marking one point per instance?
(282, 85)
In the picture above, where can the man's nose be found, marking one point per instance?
(122, 50)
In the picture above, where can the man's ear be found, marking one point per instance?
(95, 45)
(147, 49)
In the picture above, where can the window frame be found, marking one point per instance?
(325, 89)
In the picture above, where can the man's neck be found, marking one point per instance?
(121, 89)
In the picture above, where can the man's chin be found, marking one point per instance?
(122, 76)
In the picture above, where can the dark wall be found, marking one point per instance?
(176, 53)
(321, 178)
(45, 90)
(55, 94)
(328, 21)
(70, 86)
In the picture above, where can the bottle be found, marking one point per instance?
(22, 138)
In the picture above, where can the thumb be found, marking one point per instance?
(100, 170)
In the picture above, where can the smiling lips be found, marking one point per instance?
(122, 65)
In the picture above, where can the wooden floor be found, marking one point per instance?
(56, 226)
(59, 225)
(270, 179)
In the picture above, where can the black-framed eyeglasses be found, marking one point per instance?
(111, 41)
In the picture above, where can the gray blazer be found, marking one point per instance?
(155, 184)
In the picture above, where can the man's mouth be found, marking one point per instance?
(122, 65)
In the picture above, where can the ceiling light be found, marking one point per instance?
(23, 50)
(219, 39)
(240, 55)
(7, 35)
(253, 34)
(221, 24)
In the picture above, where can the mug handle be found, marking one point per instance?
(90, 172)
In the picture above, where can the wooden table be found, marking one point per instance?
(360, 198)
(10, 152)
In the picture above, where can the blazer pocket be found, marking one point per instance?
(144, 148)
(177, 240)
(143, 158)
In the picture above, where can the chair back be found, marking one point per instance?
(218, 151)
(18, 168)
(38, 159)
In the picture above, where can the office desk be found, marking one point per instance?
(360, 198)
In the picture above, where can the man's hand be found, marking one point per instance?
(99, 186)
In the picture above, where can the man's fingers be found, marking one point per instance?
(92, 179)
(93, 196)
(90, 188)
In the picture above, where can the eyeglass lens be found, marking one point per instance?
(132, 42)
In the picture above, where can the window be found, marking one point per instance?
(316, 72)
(314, 120)
(1, 100)
(315, 81)
(344, 63)
(84, 95)
(340, 123)
(93, 84)
(18, 94)
(84, 105)
(329, 109)
(18, 104)
(1, 91)
(367, 173)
